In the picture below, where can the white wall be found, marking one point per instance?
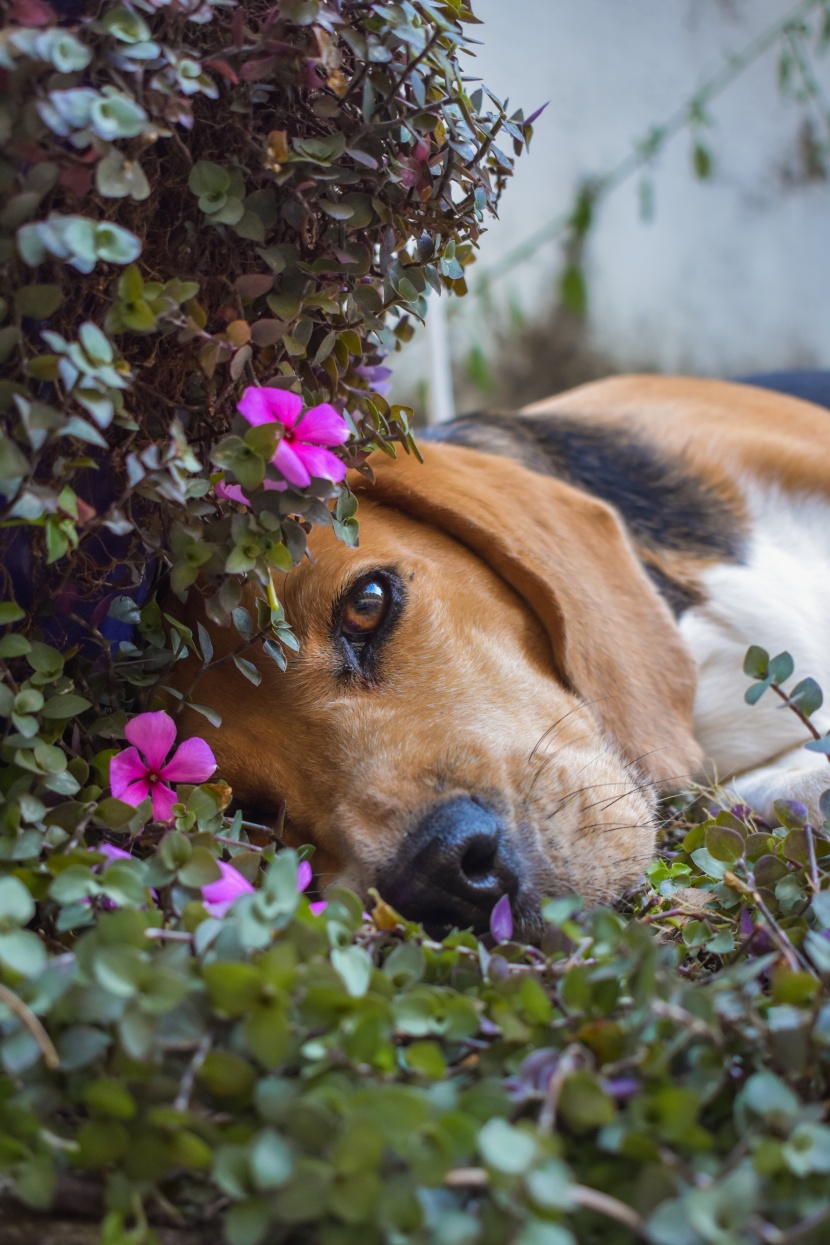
(730, 275)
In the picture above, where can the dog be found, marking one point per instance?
(543, 627)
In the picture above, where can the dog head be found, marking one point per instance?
(485, 692)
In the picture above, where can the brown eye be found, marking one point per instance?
(365, 609)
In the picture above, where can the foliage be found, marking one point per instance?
(195, 196)
(316, 1073)
(335, 1078)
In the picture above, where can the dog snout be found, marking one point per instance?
(453, 868)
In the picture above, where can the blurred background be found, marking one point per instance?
(673, 213)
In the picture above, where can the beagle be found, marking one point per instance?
(543, 626)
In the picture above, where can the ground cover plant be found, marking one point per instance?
(216, 220)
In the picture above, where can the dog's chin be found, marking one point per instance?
(529, 925)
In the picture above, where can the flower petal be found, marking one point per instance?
(265, 405)
(501, 920)
(112, 852)
(154, 734)
(219, 896)
(321, 463)
(288, 462)
(192, 762)
(322, 425)
(303, 875)
(163, 801)
(230, 492)
(126, 768)
(318, 906)
(135, 792)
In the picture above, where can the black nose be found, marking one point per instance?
(452, 869)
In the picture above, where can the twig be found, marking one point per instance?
(569, 1061)
(793, 957)
(28, 1018)
(610, 1207)
(800, 1230)
(584, 1197)
(187, 1082)
(802, 717)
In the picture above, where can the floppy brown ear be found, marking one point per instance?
(614, 640)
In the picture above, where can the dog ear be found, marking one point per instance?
(613, 639)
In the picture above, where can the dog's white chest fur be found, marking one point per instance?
(778, 598)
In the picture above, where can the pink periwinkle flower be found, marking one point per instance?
(141, 771)
(219, 897)
(301, 452)
(304, 881)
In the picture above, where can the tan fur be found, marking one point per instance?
(534, 663)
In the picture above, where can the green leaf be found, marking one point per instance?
(14, 646)
(227, 1075)
(756, 662)
(249, 670)
(38, 301)
(65, 706)
(540, 1232)
(246, 1223)
(584, 1105)
(821, 909)
(13, 464)
(272, 1160)
(10, 612)
(233, 988)
(807, 1149)
(724, 844)
(22, 951)
(427, 1059)
(753, 694)
(200, 870)
(507, 1149)
(205, 644)
(573, 291)
(807, 696)
(702, 161)
(781, 667)
(353, 966)
(16, 904)
(207, 178)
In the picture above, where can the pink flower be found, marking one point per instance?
(303, 881)
(134, 776)
(219, 897)
(300, 453)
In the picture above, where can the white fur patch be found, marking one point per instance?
(778, 598)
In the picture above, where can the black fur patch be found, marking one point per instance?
(664, 507)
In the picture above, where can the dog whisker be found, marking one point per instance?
(585, 704)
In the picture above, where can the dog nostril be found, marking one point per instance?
(479, 858)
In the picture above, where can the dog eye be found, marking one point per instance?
(365, 609)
